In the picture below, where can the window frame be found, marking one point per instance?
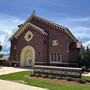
(55, 58)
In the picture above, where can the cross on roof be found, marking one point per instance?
(33, 13)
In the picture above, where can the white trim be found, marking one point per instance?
(26, 36)
(55, 67)
(21, 30)
(31, 25)
(55, 62)
(15, 61)
(55, 42)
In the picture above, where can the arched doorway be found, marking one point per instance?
(27, 56)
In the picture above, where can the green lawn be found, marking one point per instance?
(86, 78)
(44, 84)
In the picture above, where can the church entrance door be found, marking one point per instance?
(27, 56)
(28, 61)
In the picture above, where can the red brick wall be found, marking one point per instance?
(59, 35)
(37, 43)
(43, 44)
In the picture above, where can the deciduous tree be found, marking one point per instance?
(85, 57)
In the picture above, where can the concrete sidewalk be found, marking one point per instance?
(86, 74)
(7, 70)
(8, 85)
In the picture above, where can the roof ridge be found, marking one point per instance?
(66, 29)
(49, 21)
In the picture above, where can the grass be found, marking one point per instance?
(43, 84)
(87, 78)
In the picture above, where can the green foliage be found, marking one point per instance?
(52, 77)
(86, 78)
(45, 76)
(88, 69)
(84, 56)
(6, 62)
(69, 79)
(1, 55)
(81, 81)
(37, 75)
(0, 47)
(59, 77)
(32, 74)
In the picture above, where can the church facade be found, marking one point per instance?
(41, 42)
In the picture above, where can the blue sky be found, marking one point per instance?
(73, 14)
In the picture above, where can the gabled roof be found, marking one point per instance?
(54, 25)
(19, 32)
(47, 22)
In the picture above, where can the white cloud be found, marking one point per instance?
(86, 44)
(8, 25)
(80, 27)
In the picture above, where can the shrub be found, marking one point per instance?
(52, 77)
(69, 79)
(81, 81)
(6, 62)
(88, 70)
(83, 68)
(87, 80)
(59, 77)
(32, 74)
(37, 75)
(45, 76)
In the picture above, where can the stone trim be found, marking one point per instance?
(26, 36)
(57, 67)
(15, 61)
(19, 32)
(22, 59)
(57, 62)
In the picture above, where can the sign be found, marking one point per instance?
(58, 71)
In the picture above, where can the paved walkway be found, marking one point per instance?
(8, 85)
(7, 70)
(86, 74)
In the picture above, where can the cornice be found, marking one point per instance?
(20, 31)
(56, 26)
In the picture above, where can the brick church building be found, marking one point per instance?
(41, 42)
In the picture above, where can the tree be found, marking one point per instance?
(84, 56)
(0, 47)
(1, 55)
(88, 56)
